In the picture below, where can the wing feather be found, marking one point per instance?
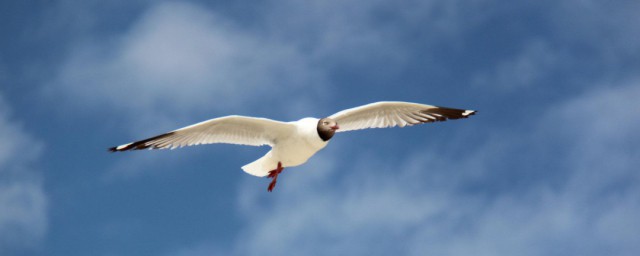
(240, 130)
(394, 113)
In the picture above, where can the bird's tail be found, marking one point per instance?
(261, 167)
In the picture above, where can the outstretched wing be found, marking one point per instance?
(229, 129)
(394, 113)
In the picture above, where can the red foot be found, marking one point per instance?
(274, 175)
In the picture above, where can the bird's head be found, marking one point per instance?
(327, 128)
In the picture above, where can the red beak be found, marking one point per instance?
(335, 127)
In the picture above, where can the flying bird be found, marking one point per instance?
(293, 143)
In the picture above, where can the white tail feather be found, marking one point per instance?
(260, 167)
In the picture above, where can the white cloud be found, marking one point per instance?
(526, 69)
(380, 38)
(23, 203)
(606, 28)
(581, 41)
(181, 58)
(23, 220)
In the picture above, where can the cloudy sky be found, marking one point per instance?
(549, 166)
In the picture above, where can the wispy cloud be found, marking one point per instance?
(582, 42)
(533, 64)
(23, 204)
(180, 58)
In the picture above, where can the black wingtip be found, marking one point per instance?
(449, 113)
(143, 144)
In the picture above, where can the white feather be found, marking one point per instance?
(240, 130)
(393, 113)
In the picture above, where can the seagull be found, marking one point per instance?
(293, 143)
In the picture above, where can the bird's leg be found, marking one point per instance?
(274, 175)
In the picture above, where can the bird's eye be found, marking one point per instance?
(325, 123)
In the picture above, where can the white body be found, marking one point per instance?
(293, 150)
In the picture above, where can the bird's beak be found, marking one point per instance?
(335, 127)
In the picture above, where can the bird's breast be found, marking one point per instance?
(298, 148)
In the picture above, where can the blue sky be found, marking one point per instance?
(547, 167)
